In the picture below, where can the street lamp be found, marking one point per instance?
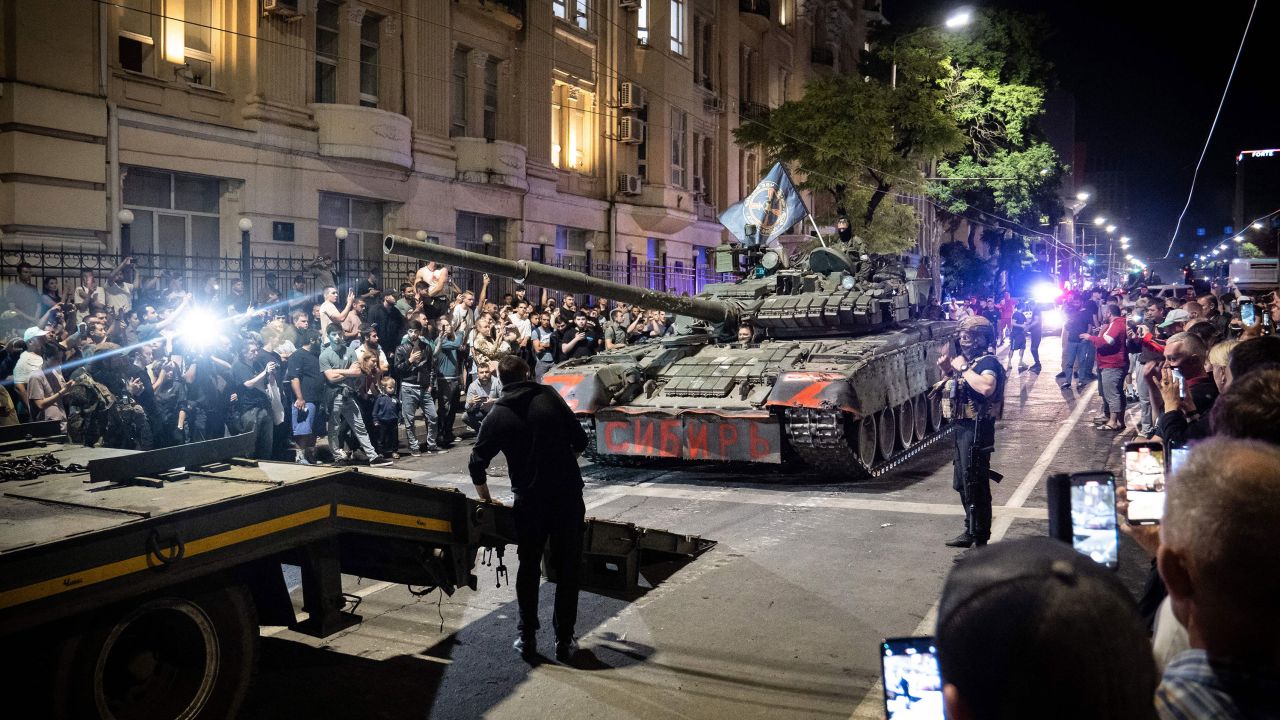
(1082, 196)
(126, 243)
(1111, 229)
(957, 19)
(245, 225)
(1099, 221)
(341, 234)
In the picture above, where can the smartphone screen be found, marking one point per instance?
(1177, 456)
(912, 680)
(1144, 481)
(1246, 313)
(1094, 531)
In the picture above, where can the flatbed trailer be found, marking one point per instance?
(136, 589)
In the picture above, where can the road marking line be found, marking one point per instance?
(784, 499)
(872, 702)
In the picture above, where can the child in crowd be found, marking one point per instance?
(386, 419)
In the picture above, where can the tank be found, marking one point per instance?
(837, 376)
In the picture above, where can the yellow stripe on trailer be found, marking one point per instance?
(120, 568)
(383, 517)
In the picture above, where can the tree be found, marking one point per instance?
(993, 87)
(964, 273)
(859, 141)
(1249, 250)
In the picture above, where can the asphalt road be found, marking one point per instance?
(782, 618)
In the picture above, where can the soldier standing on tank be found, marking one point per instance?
(974, 396)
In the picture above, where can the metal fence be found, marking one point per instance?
(193, 272)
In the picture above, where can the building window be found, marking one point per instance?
(750, 173)
(572, 11)
(363, 220)
(786, 12)
(746, 76)
(136, 42)
(572, 128)
(784, 85)
(199, 41)
(642, 150)
(491, 99)
(703, 159)
(677, 26)
(326, 90)
(642, 22)
(679, 147)
(370, 27)
(702, 51)
(458, 94)
(174, 215)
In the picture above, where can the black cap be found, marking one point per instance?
(1031, 627)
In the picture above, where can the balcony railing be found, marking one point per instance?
(752, 110)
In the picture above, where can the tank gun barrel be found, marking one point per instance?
(525, 271)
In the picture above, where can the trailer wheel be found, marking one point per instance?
(178, 656)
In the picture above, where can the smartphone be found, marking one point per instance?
(1094, 531)
(911, 678)
(1144, 475)
(1246, 312)
(1182, 382)
(1177, 458)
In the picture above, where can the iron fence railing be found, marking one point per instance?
(193, 272)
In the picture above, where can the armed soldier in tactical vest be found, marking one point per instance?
(973, 397)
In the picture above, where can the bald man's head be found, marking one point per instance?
(1218, 539)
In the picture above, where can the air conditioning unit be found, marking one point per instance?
(629, 4)
(281, 8)
(630, 130)
(713, 104)
(630, 96)
(630, 184)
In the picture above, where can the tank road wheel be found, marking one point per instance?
(888, 432)
(935, 413)
(906, 423)
(184, 655)
(867, 441)
(921, 414)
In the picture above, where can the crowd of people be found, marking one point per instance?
(1031, 628)
(359, 373)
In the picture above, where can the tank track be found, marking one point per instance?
(819, 438)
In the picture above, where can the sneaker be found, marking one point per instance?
(1035, 368)
(339, 457)
(415, 453)
(1065, 385)
(436, 450)
(1060, 375)
(963, 540)
(379, 462)
(527, 647)
(566, 649)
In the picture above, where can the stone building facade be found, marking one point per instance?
(540, 129)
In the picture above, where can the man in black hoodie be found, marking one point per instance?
(541, 438)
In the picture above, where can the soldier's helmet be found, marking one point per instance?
(980, 328)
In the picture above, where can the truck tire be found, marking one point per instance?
(179, 655)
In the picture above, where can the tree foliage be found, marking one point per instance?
(860, 142)
(964, 272)
(1249, 250)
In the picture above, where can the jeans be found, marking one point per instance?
(1033, 344)
(413, 397)
(1144, 398)
(258, 421)
(1072, 351)
(204, 424)
(1088, 359)
(1112, 386)
(559, 521)
(447, 388)
(476, 415)
(346, 413)
(540, 368)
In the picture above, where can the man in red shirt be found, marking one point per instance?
(1113, 363)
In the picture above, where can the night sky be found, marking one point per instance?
(1147, 79)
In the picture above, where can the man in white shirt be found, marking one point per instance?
(329, 312)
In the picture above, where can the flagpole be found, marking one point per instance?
(815, 229)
